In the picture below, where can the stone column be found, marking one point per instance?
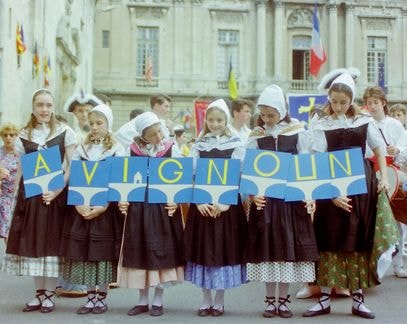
(178, 33)
(278, 38)
(404, 53)
(261, 38)
(197, 41)
(333, 35)
(350, 30)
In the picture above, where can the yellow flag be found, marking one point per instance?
(232, 83)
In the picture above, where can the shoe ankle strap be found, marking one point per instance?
(270, 300)
(358, 297)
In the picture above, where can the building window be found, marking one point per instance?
(301, 46)
(377, 60)
(228, 52)
(147, 49)
(105, 39)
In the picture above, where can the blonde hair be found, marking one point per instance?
(8, 128)
(205, 129)
(108, 140)
(33, 120)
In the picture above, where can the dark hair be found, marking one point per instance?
(376, 92)
(341, 87)
(104, 98)
(159, 98)
(261, 123)
(237, 105)
(179, 132)
(135, 112)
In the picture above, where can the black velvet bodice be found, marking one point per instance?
(347, 138)
(282, 143)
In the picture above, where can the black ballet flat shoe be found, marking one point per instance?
(218, 312)
(31, 308)
(156, 310)
(84, 310)
(284, 313)
(138, 309)
(100, 300)
(358, 297)
(92, 299)
(270, 313)
(100, 309)
(205, 311)
(323, 311)
(48, 309)
(367, 315)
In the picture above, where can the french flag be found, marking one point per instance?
(318, 56)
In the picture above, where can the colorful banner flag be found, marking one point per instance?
(300, 105)
(199, 109)
(47, 69)
(148, 67)
(233, 93)
(318, 56)
(36, 62)
(380, 77)
(20, 46)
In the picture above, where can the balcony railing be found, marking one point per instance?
(146, 84)
(303, 85)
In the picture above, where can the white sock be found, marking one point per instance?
(355, 304)
(324, 300)
(219, 299)
(92, 296)
(39, 283)
(48, 302)
(102, 289)
(283, 293)
(143, 297)
(206, 299)
(270, 292)
(158, 297)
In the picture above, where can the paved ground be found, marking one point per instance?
(242, 305)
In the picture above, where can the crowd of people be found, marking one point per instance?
(331, 243)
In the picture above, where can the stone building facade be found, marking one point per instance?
(61, 33)
(192, 43)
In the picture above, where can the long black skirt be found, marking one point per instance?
(216, 241)
(282, 231)
(152, 240)
(36, 228)
(338, 230)
(98, 239)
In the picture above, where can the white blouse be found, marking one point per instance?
(40, 136)
(318, 126)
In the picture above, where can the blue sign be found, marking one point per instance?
(265, 173)
(89, 183)
(309, 177)
(347, 172)
(170, 180)
(301, 105)
(128, 178)
(42, 171)
(216, 181)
